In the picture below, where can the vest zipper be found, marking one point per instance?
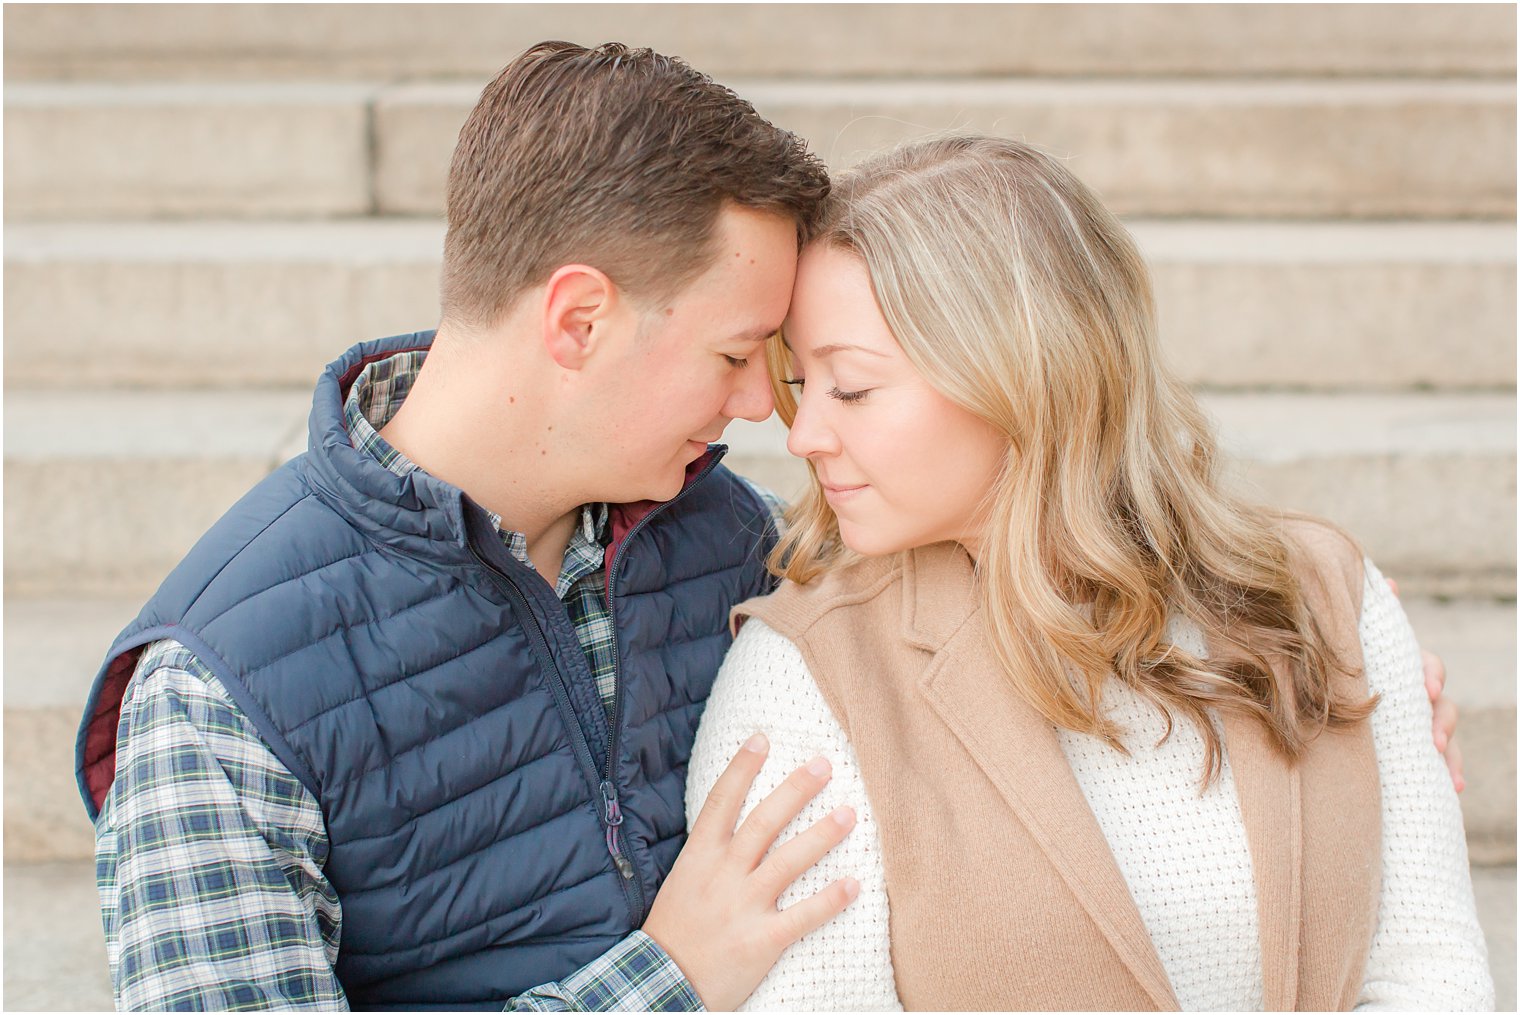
(614, 818)
(611, 814)
(614, 717)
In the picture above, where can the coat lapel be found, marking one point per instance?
(1020, 753)
(1270, 807)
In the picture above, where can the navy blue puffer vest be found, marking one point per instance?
(489, 829)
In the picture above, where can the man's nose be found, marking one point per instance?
(752, 398)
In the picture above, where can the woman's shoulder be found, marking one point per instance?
(764, 684)
(795, 607)
(1326, 557)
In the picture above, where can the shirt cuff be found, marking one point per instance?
(636, 975)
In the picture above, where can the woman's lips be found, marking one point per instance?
(839, 494)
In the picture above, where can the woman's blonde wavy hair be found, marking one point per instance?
(1019, 297)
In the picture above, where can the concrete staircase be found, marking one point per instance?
(204, 204)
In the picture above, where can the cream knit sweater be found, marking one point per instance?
(1184, 857)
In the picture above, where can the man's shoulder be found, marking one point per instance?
(772, 506)
(279, 509)
(170, 681)
(772, 501)
(262, 550)
(168, 656)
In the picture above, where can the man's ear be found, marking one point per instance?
(579, 303)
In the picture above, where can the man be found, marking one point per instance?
(408, 727)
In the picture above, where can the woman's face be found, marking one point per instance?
(901, 465)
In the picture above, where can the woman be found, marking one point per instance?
(1116, 739)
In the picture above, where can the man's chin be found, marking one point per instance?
(646, 487)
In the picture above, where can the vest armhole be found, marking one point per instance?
(95, 743)
(250, 708)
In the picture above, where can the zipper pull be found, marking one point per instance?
(614, 816)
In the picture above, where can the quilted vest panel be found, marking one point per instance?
(429, 690)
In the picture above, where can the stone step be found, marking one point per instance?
(1280, 149)
(177, 150)
(410, 41)
(1425, 481)
(133, 478)
(1476, 641)
(55, 958)
(129, 480)
(54, 647)
(1373, 305)
(1290, 149)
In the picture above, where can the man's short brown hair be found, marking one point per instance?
(615, 157)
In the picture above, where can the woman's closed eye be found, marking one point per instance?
(847, 397)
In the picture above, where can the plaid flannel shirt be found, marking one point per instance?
(210, 853)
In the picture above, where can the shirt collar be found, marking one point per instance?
(375, 397)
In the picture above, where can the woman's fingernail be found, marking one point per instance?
(757, 743)
(843, 816)
(819, 766)
(851, 888)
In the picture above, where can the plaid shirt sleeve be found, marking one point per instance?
(209, 857)
(635, 975)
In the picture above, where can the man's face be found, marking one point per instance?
(697, 362)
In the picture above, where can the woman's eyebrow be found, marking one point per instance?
(833, 347)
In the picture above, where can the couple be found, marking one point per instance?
(410, 726)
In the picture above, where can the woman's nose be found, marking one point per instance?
(810, 434)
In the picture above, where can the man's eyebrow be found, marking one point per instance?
(757, 335)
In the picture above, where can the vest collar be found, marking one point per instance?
(417, 513)
(939, 593)
(1021, 754)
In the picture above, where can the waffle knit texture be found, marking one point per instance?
(1184, 857)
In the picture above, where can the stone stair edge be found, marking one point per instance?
(1140, 91)
(386, 149)
(1426, 481)
(1238, 240)
(410, 38)
(42, 425)
(1243, 304)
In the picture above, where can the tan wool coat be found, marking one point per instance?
(1003, 892)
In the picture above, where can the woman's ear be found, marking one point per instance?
(578, 303)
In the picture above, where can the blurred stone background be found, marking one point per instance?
(204, 204)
